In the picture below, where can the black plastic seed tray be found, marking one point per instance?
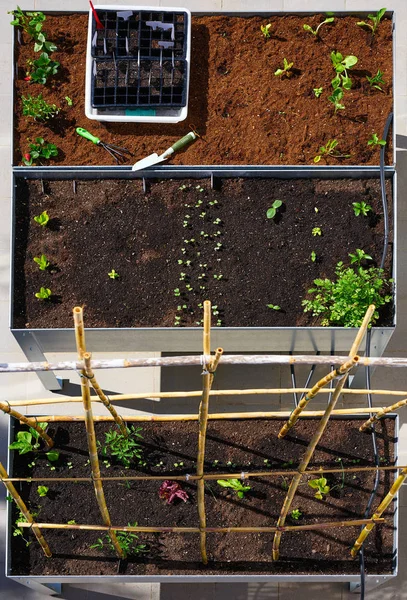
(148, 83)
(140, 34)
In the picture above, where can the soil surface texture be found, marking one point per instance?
(170, 449)
(181, 243)
(244, 113)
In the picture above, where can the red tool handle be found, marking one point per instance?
(98, 22)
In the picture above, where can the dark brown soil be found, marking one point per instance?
(241, 445)
(113, 225)
(245, 114)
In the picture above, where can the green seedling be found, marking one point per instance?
(30, 22)
(336, 98)
(128, 542)
(113, 275)
(39, 150)
(375, 21)
(42, 490)
(265, 29)
(318, 91)
(274, 306)
(43, 294)
(42, 219)
(296, 514)
(376, 81)
(41, 43)
(179, 464)
(42, 68)
(374, 141)
(316, 31)
(272, 211)
(28, 441)
(361, 208)
(286, 70)
(329, 150)
(124, 449)
(177, 293)
(285, 485)
(42, 262)
(341, 64)
(316, 231)
(321, 487)
(313, 256)
(72, 522)
(218, 277)
(235, 485)
(18, 531)
(37, 108)
(358, 256)
(68, 100)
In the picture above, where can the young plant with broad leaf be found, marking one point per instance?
(315, 32)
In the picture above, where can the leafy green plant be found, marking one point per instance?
(113, 275)
(376, 80)
(336, 98)
(358, 256)
(42, 262)
(39, 150)
(68, 100)
(313, 256)
(265, 29)
(321, 487)
(272, 211)
(37, 108)
(318, 91)
(28, 441)
(341, 64)
(235, 485)
(361, 208)
(18, 531)
(344, 301)
(125, 449)
(128, 542)
(274, 306)
(296, 514)
(316, 231)
(71, 522)
(30, 22)
(42, 490)
(43, 67)
(375, 21)
(42, 219)
(374, 141)
(43, 294)
(41, 43)
(329, 150)
(316, 31)
(286, 70)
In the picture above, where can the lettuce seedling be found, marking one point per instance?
(318, 92)
(42, 219)
(316, 231)
(235, 485)
(43, 294)
(171, 491)
(359, 256)
(316, 31)
(42, 490)
(113, 275)
(374, 141)
(336, 98)
(286, 70)
(375, 20)
(376, 81)
(361, 208)
(341, 64)
(329, 150)
(42, 262)
(321, 486)
(272, 211)
(274, 306)
(265, 29)
(296, 514)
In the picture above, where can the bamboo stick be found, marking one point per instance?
(21, 505)
(295, 482)
(90, 429)
(5, 407)
(185, 361)
(295, 415)
(141, 529)
(103, 398)
(381, 412)
(198, 393)
(379, 511)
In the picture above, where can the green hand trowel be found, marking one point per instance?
(153, 159)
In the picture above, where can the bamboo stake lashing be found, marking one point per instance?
(379, 511)
(90, 429)
(21, 505)
(295, 482)
(103, 398)
(5, 407)
(381, 412)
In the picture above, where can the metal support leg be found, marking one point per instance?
(33, 352)
(371, 583)
(47, 589)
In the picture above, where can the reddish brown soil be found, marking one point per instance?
(114, 225)
(246, 444)
(245, 114)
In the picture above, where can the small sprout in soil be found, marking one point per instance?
(188, 263)
(52, 455)
(43, 67)
(288, 463)
(127, 542)
(359, 256)
(183, 250)
(71, 522)
(32, 464)
(180, 464)
(214, 463)
(113, 275)
(361, 208)
(313, 256)
(42, 219)
(265, 29)
(266, 462)
(272, 211)
(124, 449)
(285, 485)
(217, 221)
(177, 293)
(180, 262)
(183, 188)
(375, 20)
(316, 209)
(37, 108)
(235, 485)
(43, 294)
(230, 464)
(213, 202)
(219, 323)
(316, 31)
(296, 514)
(177, 321)
(321, 487)
(68, 100)
(218, 246)
(274, 306)
(316, 231)
(107, 464)
(374, 141)
(182, 276)
(69, 465)
(318, 91)
(160, 464)
(42, 262)
(329, 150)
(42, 490)
(171, 491)
(39, 150)
(200, 189)
(340, 65)
(286, 70)
(376, 80)
(189, 287)
(218, 277)
(18, 531)
(336, 98)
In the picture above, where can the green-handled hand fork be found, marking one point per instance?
(115, 151)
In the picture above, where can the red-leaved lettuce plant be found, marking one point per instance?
(171, 490)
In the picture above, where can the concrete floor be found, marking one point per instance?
(26, 386)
